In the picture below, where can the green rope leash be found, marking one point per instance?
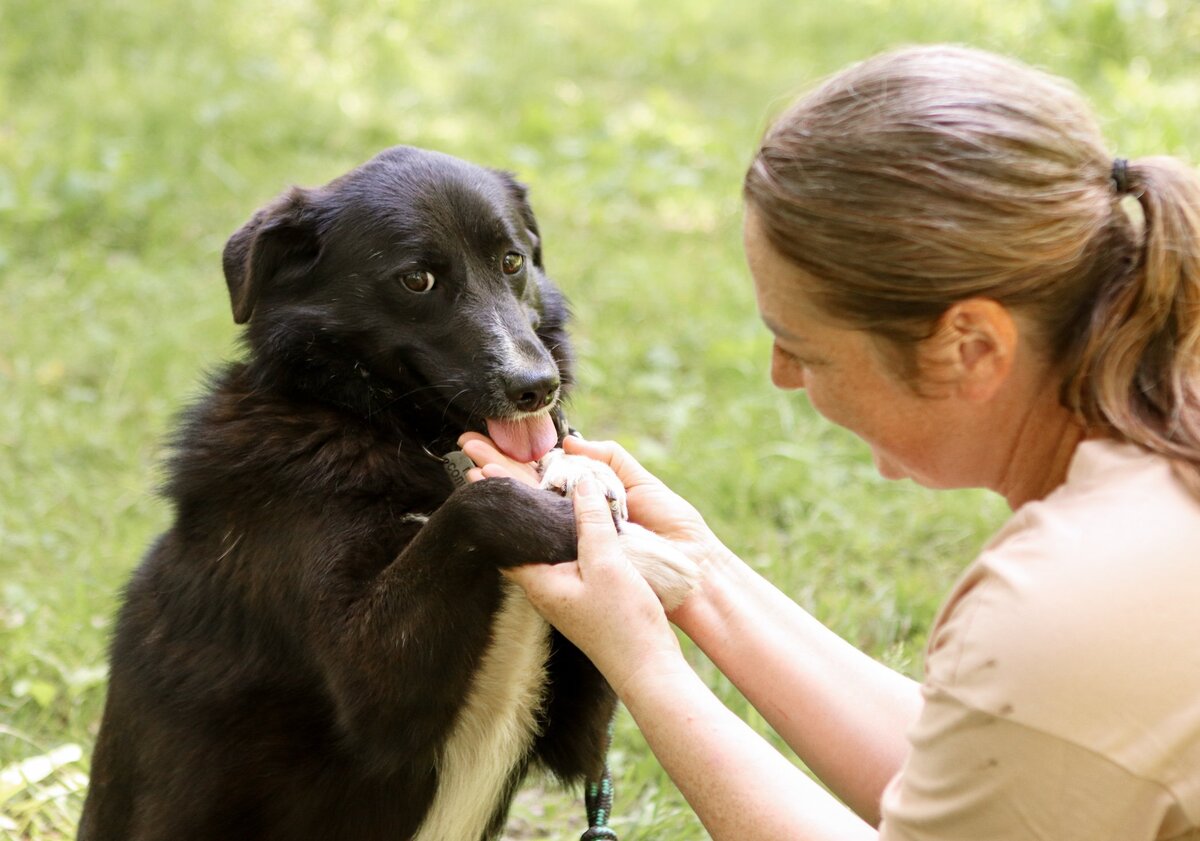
(598, 800)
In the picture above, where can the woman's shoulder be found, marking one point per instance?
(1120, 528)
(1079, 618)
(1118, 500)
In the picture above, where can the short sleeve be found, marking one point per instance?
(973, 776)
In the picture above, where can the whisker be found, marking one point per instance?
(450, 403)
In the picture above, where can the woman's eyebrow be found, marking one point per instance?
(782, 333)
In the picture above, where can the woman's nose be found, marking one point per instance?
(786, 371)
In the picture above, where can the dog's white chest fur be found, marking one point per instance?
(495, 726)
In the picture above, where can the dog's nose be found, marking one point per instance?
(532, 390)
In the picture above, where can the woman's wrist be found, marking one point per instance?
(708, 605)
(634, 679)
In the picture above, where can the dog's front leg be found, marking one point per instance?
(401, 663)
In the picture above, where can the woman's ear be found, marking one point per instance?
(972, 349)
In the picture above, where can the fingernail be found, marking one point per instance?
(587, 487)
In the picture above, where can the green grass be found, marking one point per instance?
(136, 136)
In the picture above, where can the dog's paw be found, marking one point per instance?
(670, 573)
(562, 472)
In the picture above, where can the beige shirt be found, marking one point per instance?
(1062, 689)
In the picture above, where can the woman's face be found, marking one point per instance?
(846, 376)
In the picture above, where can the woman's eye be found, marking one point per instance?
(799, 361)
(513, 262)
(419, 282)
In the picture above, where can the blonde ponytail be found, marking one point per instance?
(1138, 372)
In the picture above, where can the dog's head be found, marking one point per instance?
(412, 285)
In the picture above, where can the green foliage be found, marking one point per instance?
(135, 136)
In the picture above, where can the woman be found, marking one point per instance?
(940, 247)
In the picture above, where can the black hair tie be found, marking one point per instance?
(1120, 176)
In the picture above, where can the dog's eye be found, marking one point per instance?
(513, 262)
(419, 282)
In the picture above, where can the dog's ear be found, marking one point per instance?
(278, 243)
(520, 196)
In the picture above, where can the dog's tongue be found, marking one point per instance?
(527, 439)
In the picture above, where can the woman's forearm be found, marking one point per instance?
(845, 714)
(739, 785)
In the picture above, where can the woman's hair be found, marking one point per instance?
(931, 175)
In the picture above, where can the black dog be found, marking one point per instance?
(321, 646)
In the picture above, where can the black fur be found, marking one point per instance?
(292, 652)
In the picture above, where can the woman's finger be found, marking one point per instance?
(614, 455)
(487, 456)
(597, 534)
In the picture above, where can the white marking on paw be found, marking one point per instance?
(562, 472)
(670, 573)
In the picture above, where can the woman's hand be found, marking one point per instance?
(652, 504)
(600, 602)
(492, 463)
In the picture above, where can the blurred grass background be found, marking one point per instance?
(136, 136)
